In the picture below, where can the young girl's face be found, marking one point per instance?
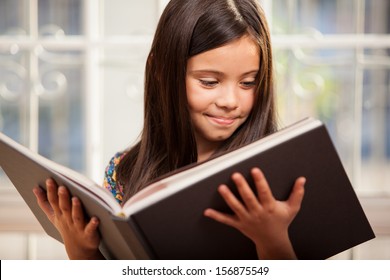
(220, 87)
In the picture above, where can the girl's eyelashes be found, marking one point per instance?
(208, 83)
(248, 84)
(214, 83)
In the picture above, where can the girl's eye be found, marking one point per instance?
(208, 83)
(249, 84)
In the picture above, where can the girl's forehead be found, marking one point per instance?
(241, 54)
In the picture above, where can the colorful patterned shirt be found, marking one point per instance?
(110, 182)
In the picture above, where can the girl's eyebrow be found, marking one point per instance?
(206, 71)
(219, 73)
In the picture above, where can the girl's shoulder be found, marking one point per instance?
(110, 181)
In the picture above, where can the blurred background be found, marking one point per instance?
(71, 88)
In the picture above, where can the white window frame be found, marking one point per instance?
(375, 205)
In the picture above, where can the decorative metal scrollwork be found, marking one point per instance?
(12, 81)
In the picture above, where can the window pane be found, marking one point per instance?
(307, 16)
(122, 90)
(13, 17)
(58, 17)
(14, 101)
(14, 96)
(123, 17)
(375, 129)
(62, 108)
(377, 14)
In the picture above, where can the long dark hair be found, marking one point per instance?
(187, 28)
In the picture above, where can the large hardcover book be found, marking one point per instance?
(165, 220)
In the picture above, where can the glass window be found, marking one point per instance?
(62, 104)
(58, 18)
(123, 17)
(71, 82)
(14, 96)
(13, 17)
(375, 149)
(377, 20)
(313, 16)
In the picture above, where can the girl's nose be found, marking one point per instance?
(228, 98)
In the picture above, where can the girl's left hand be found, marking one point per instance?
(80, 235)
(261, 218)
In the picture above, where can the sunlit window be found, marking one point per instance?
(71, 82)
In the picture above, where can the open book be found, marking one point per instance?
(165, 220)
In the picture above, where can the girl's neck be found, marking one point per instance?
(206, 150)
(204, 156)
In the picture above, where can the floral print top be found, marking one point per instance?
(110, 182)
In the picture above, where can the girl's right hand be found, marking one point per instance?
(81, 238)
(261, 217)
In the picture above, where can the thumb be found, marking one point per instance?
(91, 227)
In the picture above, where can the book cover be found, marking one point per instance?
(165, 221)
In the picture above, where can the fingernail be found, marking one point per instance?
(75, 200)
(61, 189)
(222, 188)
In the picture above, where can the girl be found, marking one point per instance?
(208, 89)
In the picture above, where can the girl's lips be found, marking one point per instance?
(225, 121)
